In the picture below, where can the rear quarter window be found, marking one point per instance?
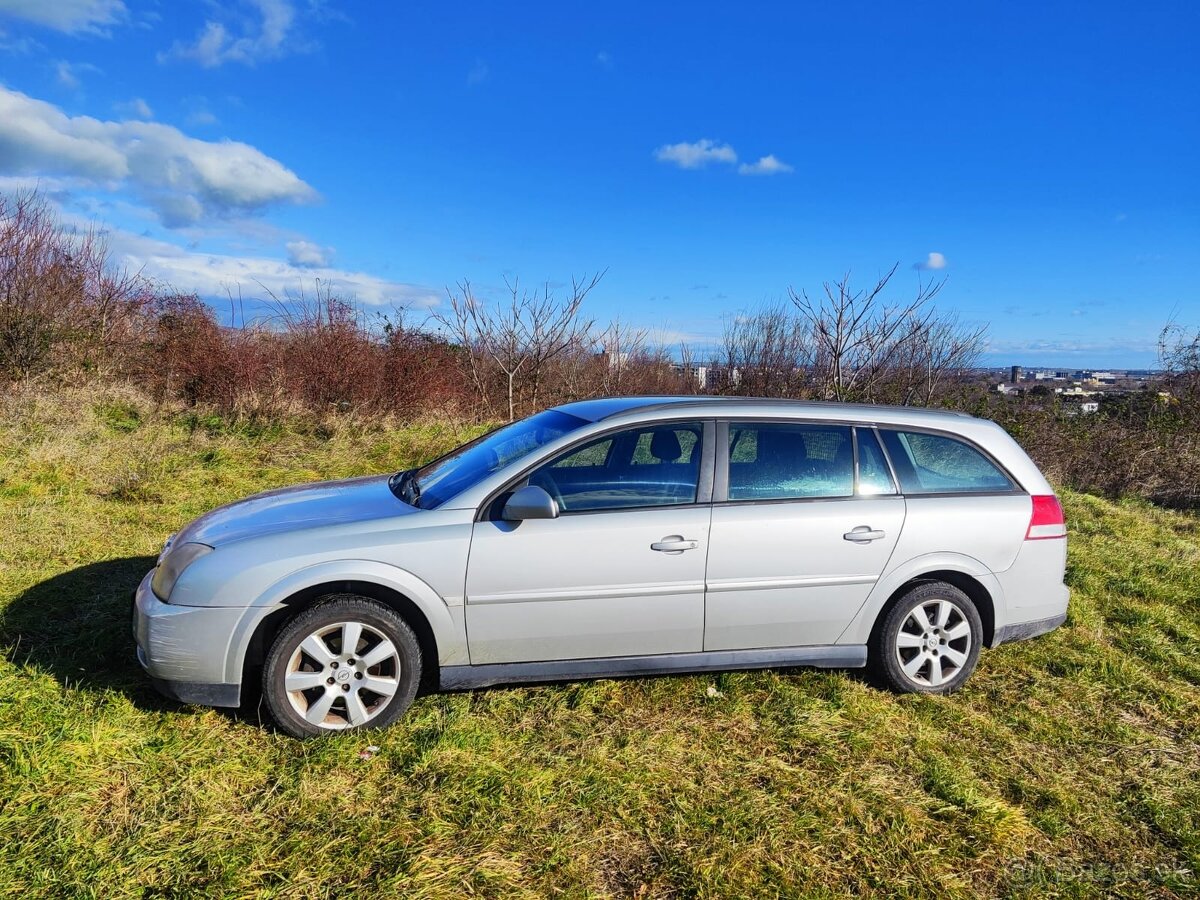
(938, 464)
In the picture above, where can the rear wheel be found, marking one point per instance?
(346, 664)
(929, 641)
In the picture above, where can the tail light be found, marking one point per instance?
(1047, 519)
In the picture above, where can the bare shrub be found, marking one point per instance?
(422, 372)
(618, 361)
(326, 355)
(63, 305)
(765, 353)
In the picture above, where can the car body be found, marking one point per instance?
(615, 537)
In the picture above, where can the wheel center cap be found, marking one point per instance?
(342, 676)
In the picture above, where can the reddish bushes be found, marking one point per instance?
(314, 355)
(62, 305)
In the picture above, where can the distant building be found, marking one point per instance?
(1089, 406)
(1017, 373)
(699, 373)
(617, 359)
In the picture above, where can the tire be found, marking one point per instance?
(314, 686)
(929, 641)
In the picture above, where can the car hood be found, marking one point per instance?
(296, 508)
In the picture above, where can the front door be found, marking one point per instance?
(620, 572)
(802, 528)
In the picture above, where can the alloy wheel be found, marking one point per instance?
(342, 675)
(934, 642)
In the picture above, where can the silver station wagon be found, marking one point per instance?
(616, 537)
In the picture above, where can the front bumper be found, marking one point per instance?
(184, 648)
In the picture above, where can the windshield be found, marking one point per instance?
(435, 483)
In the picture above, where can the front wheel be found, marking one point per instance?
(929, 641)
(344, 665)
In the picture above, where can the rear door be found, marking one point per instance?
(805, 518)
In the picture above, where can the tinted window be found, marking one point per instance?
(934, 463)
(780, 461)
(652, 466)
(874, 478)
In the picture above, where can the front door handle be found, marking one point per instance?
(863, 534)
(674, 544)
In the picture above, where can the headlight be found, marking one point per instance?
(171, 566)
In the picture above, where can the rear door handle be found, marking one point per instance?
(674, 544)
(863, 534)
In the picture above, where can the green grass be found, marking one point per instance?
(1070, 765)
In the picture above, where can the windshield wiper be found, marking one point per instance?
(404, 486)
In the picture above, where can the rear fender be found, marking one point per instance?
(859, 629)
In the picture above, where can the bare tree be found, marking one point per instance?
(765, 353)
(862, 343)
(943, 350)
(517, 339)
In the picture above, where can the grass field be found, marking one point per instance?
(1069, 766)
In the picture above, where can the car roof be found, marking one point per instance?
(610, 407)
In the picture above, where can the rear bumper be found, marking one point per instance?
(183, 648)
(1023, 631)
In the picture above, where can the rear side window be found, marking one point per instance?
(782, 461)
(936, 464)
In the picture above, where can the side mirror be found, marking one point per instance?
(529, 502)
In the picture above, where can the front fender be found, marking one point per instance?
(859, 629)
(445, 621)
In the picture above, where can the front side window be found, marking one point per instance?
(642, 467)
(782, 461)
(936, 464)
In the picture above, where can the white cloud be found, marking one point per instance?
(696, 155)
(137, 108)
(1081, 346)
(68, 73)
(266, 34)
(214, 275)
(604, 58)
(479, 73)
(22, 46)
(183, 178)
(201, 117)
(71, 16)
(308, 255)
(932, 263)
(766, 165)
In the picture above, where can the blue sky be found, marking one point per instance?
(1043, 157)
